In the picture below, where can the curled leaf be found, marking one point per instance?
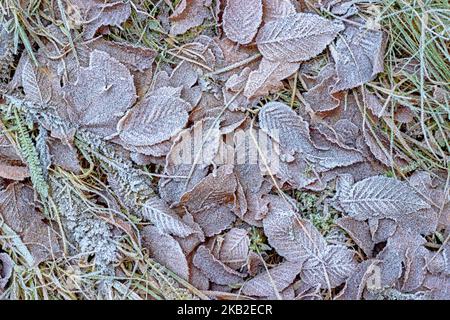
(215, 270)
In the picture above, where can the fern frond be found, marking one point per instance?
(31, 157)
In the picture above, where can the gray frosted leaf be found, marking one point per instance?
(276, 9)
(297, 37)
(235, 247)
(160, 116)
(241, 20)
(287, 128)
(188, 14)
(13, 172)
(101, 94)
(19, 213)
(215, 270)
(358, 56)
(6, 269)
(379, 147)
(283, 125)
(330, 267)
(293, 238)
(185, 75)
(165, 219)
(268, 284)
(165, 250)
(381, 197)
(268, 77)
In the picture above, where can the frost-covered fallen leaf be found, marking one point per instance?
(297, 37)
(241, 20)
(358, 56)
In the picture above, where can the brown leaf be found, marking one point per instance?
(374, 104)
(293, 134)
(185, 75)
(165, 250)
(356, 283)
(180, 160)
(19, 213)
(198, 279)
(64, 155)
(137, 59)
(297, 37)
(215, 270)
(11, 165)
(360, 233)
(241, 20)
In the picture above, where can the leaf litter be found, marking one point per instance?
(131, 156)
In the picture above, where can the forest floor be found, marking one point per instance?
(345, 105)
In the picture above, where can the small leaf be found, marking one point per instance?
(98, 13)
(18, 211)
(212, 200)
